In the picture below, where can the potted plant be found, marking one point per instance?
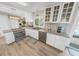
(22, 23)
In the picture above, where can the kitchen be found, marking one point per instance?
(49, 23)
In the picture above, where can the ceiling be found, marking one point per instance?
(32, 6)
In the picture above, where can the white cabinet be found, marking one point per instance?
(50, 39)
(56, 41)
(47, 14)
(60, 43)
(32, 33)
(26, 32)
(9, 37)
(56, 13)
(67, 11)
(60, 12)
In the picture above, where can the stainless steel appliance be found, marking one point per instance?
(42, 36)
(19, 34)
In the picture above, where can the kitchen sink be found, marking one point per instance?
(37, 28)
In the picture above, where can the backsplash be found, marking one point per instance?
(54, 26)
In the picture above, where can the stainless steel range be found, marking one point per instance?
(19, 34)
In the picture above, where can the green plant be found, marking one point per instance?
(23, 23)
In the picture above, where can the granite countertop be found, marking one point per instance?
(12, 30)
(38, 29)
(6, 31)
(51, 32)
(59, 34)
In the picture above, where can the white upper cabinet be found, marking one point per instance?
(55, 13)
(60, 12)
(67, 11)
(47, 14)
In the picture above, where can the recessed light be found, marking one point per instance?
(22, 3)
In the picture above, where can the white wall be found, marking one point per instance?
(29, 17)
(4, 23)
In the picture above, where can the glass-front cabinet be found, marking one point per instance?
(47, 14)
(67, 11)
(55, 13)
(60, 12)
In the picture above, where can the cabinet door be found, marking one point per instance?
(34, 34)
(9, 37)
(47, 14)
(50, 39)
(67, 11)
(60, 43)
(55, 13)
(27, 32)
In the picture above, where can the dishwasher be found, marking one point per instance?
(42, 36)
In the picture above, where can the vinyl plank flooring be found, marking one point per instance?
(26, 47)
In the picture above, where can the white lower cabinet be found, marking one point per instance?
(60, 43)
(56, 41)
(26, 32)
(32, 33)
(9, 37)
(50, 39)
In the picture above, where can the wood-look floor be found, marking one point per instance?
(26, 47)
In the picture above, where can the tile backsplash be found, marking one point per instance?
(54, 26)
